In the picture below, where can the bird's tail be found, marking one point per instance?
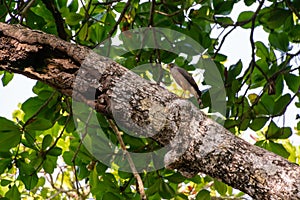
(199, 102)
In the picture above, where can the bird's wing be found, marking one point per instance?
(188, 77)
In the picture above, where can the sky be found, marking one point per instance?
(236, 46)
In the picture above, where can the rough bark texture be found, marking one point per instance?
(197, 143)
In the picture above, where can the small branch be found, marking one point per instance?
(31, 119)
(9, 12)
(107, 3)
(77, 151)
(26, 8)
(150, 24)
(60, 134)
(111, 32)
(59, 21)
(235, 25)
(291, 100)
(87, 16)
(222, 42)
(292, 8)
(167, 14)
(130, 161)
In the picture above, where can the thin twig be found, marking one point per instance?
(237, 24)
(283, 110)
(107, 3)
(169, 15)
(222, 42)
(130, 161)
(150, 24)
(77, 150)
(59, 21)
(111, 32)
(26, 8)
(292, 8)
(31, 119)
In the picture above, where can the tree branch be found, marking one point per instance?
(59, 21)
(195, 142)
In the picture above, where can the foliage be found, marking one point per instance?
(41, 155)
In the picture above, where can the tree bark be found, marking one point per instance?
(197, 143)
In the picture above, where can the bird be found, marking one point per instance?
(186, 81)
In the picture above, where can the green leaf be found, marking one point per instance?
(31, 106)
(43, 12)
(154, 188)
(73, 6)
(124, 175)
(294, 34)
(10, 134)
(244, 17)
(203, 195)
(110, 20)
(5, 182)
(204, 12)
(4, 164)
(223, 7)
(101, 168)
(73, 19)
(252, 97)
(273, 147)
(94, 182)
(110, 196)
(41, 87)
(284, 133)
(7, 77)
(68, 156)
(234, 71)
(44, 94)
(258, 123)
(47, 140)
(34, 21)
(41, 182)
(119, 7)
(220, 187)
(25, 168)
(29, 139)
(273, 18)
(56, 151)
(279, 40)
(39, 124)
(249, 2)
(293, 82)
(267, 102)
(62, 3)
(245, 123)
(82, 35)
(281, 104)
(30, 181)
(224, 21)
(261, 50)
(279, 133)
(3, 10)
(165, 190)
(176, 178)
(13, 193)
(49, 164)
(272, 130)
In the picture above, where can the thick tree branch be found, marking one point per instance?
(196, 143)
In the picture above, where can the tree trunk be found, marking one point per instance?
(197, 143)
